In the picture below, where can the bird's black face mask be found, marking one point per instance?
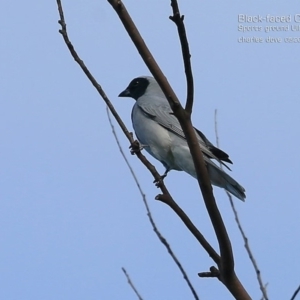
(136, 88)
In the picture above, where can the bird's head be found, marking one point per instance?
(137, 87)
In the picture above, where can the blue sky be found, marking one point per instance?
(71, 215)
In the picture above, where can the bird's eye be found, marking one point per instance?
(136, 83)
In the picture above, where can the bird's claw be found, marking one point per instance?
(135, 147)
(159, 181)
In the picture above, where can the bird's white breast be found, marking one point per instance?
(153, 137)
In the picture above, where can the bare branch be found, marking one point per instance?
(63, 32)
(296, 293)
(178, 20)
(155, 229)
(238, 222)
(131, 284)
(226, 264)
(265, 287)
(185, 219)
(214, 272)
(248, 249)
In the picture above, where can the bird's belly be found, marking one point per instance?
(154, 138)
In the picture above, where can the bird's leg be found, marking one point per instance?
(163, 176)
(161, 179)
(135, 147)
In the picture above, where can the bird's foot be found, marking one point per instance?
(135, 147)
(159, 181)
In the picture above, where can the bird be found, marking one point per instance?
(160, 134)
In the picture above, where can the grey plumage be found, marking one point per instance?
(160, 133)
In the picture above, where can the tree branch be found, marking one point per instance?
(155, 229)
(189, 224)
(296, 293)
(237, 220)
(64, 33)
(213, 273)
(226, 265)
(131, 284)
(178, 20)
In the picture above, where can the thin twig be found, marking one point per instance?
(155, 229)
(238, 222)
(296, 293)
(131, 284)
(166, 196)
(213, 273)
(64, 33)
(178, 20)
(248, 249)
(265, 287)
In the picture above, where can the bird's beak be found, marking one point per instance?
(125, 93)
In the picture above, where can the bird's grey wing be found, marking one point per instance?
(221, 155)
(164, 116)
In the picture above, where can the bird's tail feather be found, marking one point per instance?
(220, 178)
(217, 176)
(237, 190)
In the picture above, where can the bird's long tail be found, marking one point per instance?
(219, 178)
